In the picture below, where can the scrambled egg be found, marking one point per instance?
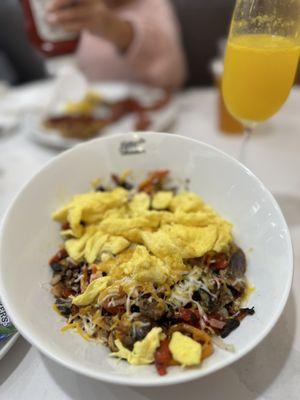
(185, 350)
(145, 267)
(139, 240)
(143, 351)
(186, 202)
(139, 204)
(85, 106)
(90, 208)
(162, 200)
(91, 292)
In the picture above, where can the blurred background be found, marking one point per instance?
(203, 23)
(166, 44)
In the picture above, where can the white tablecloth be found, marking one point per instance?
(272, 370)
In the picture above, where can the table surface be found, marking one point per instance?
(272, 370)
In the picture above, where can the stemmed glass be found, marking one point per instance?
(261, 60)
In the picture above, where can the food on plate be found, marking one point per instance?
(150, 271)
(86, 118)
(86, 106)
(76, 126)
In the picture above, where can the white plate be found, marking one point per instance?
(30, 238)
(161, 120)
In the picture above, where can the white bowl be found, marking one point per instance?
(30, 237)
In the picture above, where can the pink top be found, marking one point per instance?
(155, 57)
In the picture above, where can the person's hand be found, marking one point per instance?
(93, 16)
(75, 16)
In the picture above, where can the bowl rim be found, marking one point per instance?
(168, 379)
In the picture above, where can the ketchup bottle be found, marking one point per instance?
(48, 40)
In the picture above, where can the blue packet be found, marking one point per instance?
(6, 327)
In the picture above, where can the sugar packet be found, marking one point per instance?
(6, 327)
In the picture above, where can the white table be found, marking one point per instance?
(272, 370)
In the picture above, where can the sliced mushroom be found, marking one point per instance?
(237, 264)
(152, 308)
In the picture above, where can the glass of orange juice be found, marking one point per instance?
(261, 59)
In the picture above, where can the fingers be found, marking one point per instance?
(70, 14)
(89, 15)
(56, 5)
(75, 27)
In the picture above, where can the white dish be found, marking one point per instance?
(113, 91)
(30, 238)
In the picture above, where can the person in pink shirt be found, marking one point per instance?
(132, 40)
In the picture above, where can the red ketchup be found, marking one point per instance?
(48, 40)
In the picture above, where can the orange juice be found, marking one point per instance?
(259, 73)
(226, 122)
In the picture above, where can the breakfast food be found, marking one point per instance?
(75, 126)
(86, 118)
(151, 272)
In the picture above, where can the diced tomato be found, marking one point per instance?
(114, 310)
(94, 269)
(220, 261)
(65, 226)
(58, 256)
(163, 357)
(65, 293)
(153, 179)
(189, 316)
(222, 264)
